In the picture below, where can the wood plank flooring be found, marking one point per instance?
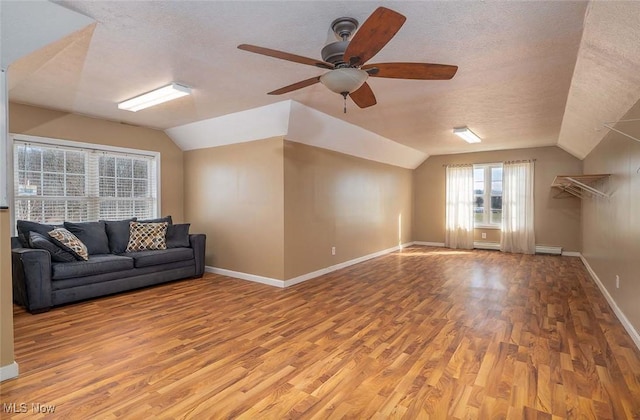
(417, 334)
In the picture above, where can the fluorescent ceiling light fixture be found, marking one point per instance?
(155, 97)
(467, 135)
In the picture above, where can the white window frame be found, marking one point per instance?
(53, 142)
(486, 223)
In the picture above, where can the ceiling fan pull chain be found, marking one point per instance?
(344, 95)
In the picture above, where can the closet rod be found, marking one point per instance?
(607, 125)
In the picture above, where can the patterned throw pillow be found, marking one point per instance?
(70, 242)
(145, 236)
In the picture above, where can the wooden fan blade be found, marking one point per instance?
(419, 71)
(364, 97)
(285, 56)
(374, 34)
(296, 86)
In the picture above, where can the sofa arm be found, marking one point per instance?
(31, 275)
(198, 242)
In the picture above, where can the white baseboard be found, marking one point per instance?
(245, 276)
(436, 244)
(623, 319)
(571, 254)
(540, 249)
(9, 371)
(299, 279)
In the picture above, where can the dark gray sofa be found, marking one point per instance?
(40, 283)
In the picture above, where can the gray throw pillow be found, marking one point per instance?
(118, 234)
(92, 234)
(178, 235)
(38, 241)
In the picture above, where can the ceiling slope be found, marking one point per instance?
(515, 64)
(606, 80)
(27, 26)
(299, 123)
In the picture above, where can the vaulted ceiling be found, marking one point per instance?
(530, 73)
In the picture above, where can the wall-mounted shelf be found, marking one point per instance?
(580, 185)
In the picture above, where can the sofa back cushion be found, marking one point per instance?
(118, 234)
(26, 226)
(167, 219)
(58, 254)
(178, 235)
(92, 234)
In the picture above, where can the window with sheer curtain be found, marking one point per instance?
(459, 207)
(517, 208)
(55, 181)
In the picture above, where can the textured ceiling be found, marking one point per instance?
(516, 62)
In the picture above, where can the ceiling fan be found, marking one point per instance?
(346, 59)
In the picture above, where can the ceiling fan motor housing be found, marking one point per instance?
(343, 28)
(334, 53)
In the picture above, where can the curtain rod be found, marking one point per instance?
(444, 165)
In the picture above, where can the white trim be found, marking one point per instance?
(245, 276)
(332, 268)
(4, 145)
(436, 244)
(48, 141)
(9, 371)
(612, 303)
(302, 278)
(53, 142)
(571, 254)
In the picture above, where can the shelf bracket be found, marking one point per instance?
(577, 185)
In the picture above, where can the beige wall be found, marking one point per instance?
(557, 220)
(611, 227)
(275, 208)
(235, 195)
(24, 119)
(332, 199)
(6, 307)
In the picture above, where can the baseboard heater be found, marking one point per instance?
(540, 249)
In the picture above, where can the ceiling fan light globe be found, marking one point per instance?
(344, 80)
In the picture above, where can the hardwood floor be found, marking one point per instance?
(421, 333)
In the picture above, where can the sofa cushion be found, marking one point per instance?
(26, 226)
(69, 242)
(96, 264)
(92, 234)
(118, 234)
(178, 235)
(58, 254)
(144, 236)
(157, 257)
(166, 219)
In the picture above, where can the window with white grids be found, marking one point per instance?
(56, 181)
(487, 181)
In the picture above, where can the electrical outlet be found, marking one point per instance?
(484, 235)
(333, 250)
(617, 281)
